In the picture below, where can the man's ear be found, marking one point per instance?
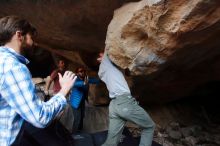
(19, 35)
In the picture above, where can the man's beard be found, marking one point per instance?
(26, 48)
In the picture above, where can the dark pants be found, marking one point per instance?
(19, 137)
(54, 135)
(78, 117)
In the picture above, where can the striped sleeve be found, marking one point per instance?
(19, 92)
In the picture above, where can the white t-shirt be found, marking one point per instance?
(113, 78)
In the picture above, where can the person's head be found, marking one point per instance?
(18, 30)
(61, 64)
(81, 72)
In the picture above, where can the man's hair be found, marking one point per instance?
(10, 24)
(81, 67)
(61, 59)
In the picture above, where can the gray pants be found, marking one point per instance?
(125, 108)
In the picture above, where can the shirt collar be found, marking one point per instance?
(21, 58)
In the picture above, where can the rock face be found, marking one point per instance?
(73, 25)
(172, 44)
(143, 35)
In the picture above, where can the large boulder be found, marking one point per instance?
(172, 45)
(143, 35)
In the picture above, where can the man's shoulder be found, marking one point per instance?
(8, 61)
(54, 73)
(78, 80)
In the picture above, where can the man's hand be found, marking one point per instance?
(86, 80)
(66, 82)
(100, 57)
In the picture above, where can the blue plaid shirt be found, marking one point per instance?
(18, 101)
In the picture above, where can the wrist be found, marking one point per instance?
(64, 92)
